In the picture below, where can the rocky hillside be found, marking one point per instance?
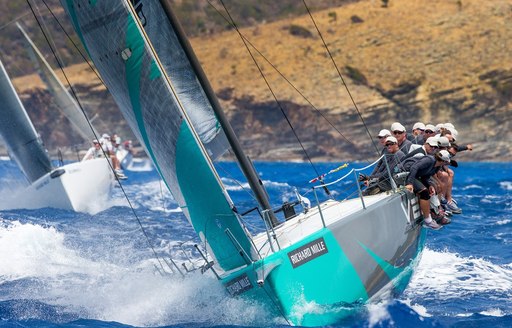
(435, 61)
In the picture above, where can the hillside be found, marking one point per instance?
(436, 61)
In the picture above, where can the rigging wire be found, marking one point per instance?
(74, 44)
(14, 20)
(229, 175)
(341, 76)
(244, 38)
(284, 77)
(270, 88)
(90, 125)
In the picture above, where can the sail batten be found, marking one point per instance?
(168, 113)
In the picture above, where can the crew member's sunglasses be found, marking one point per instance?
(398, 132)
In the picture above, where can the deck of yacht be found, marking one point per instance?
(303, 225)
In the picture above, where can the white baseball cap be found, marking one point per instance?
(443, 142)
(384, 133)
(432, 141)
(391, 139)
(418, 125)
(430, 127)
(443, 155)
(397, 127)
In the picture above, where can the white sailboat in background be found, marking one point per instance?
(70, 108)
(331, 258)
(76, 186)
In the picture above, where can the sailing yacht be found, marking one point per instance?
(337, 255)
(76, 186)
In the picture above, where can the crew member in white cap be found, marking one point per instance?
(383, 134)
(400, 134)
(93, 152)
(430, 131)
(107, 146)
(379, 180)
(417, 134)
(429, 148)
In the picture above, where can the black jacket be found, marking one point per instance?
(421, 168)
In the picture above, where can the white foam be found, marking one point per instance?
(418, 308)
(493, 313)
(49, 270)
(29, 250)
(234, 185)
(448, 275)
(503, 222)
(379, 313)
(507, 185)
(472, 186)
(274, 184)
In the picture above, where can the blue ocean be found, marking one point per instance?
(64, 269)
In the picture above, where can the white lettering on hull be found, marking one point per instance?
(307, 252)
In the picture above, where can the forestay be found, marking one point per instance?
(22, 141)
(161, 99)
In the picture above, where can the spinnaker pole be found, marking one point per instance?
(247, 167)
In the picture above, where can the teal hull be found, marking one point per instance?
(330, 274)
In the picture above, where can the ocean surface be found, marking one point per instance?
(64, 269)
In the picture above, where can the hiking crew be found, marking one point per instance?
(426, 165)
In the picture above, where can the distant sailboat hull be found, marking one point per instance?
(131, 163)
(324, 276)
(76, 186)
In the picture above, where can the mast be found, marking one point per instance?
(245, 164)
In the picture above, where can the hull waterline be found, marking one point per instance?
(329, 274)
(76, 186)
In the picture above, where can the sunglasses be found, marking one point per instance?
(398, 132)
(382, 137)
(429, 131)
